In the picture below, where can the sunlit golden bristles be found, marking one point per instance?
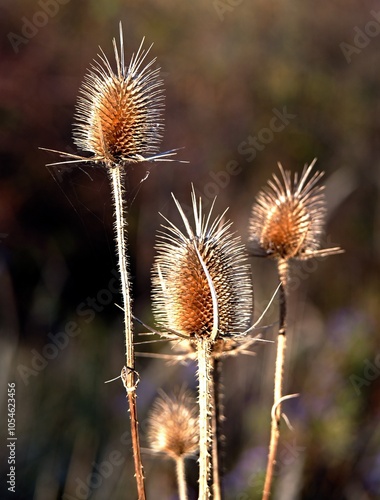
(288, 217)
(201, 279)
(173, 425)
(118, 115)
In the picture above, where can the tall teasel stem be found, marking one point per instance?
(181, 478)
(216, 428)
(116, 175)
(278, 378)
(203, 346)
(118, 121)
(283, 270)
(286, 223)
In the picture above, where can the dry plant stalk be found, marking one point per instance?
(216, 421)
(202, 292)
(287, 223)
(118, 121)
(173, 430)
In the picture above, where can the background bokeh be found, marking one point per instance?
(227, 66)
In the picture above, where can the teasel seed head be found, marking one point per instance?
(201, 279)
(173, 425)
(118, 116)
(288, 217)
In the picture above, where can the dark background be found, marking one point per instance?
(226, 67)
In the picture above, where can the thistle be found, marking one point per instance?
(118, 121)
(202, 292)
(201, 280)
(287, 223)
(173, 430)
(118, 117)
(288, 217)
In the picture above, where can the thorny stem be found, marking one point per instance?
(128, 374)
(204, 369)
(216, 429)
(283, 268)
(181, 478)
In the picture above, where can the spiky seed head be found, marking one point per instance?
(118, 114)
(288, 216)
(201, 279)
(173, 425)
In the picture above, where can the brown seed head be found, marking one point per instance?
(118, 115)
(201, 280)
(288, 217)
(173, 425)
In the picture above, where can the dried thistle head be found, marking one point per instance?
(173, 425)
(201, 279)
(118, 115)
(288, 217)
